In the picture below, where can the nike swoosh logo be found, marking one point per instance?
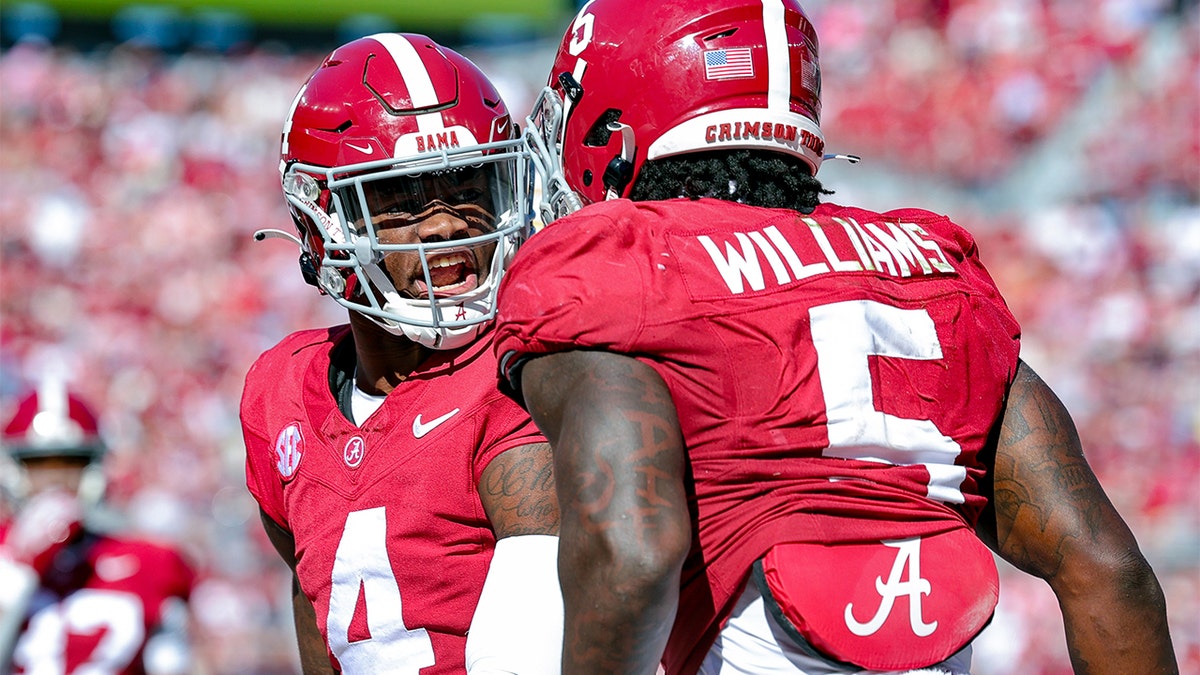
(420, 429)
(501, 129)
(365, 149)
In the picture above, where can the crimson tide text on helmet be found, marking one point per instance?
(635, 80)
(52, 422)
(398, 118)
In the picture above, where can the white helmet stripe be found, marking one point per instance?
(416, 78)
(287, 126)
(779, 76)
(52, 400)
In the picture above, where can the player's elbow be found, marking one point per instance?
(1122, 570)
(627, 563)
(662, 560)
(1135, 582)
(651, 557)
(648, 574)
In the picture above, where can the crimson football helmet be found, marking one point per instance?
(392, 128)
(636, 80)
(53, 422)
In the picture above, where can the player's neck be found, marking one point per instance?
(383, 360)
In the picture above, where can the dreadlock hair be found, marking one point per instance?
(756, 178)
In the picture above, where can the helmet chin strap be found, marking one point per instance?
(428, 336)
(433, 338)
(439, 337)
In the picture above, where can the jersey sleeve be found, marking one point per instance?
(549, 300)
(507, 426)
(164, 570)
(262, 479)
(961, 245)
(178, 573)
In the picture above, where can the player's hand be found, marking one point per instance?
(47, 524)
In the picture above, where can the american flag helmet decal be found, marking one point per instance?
(728, 64)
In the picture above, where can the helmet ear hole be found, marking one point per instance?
(598, 135)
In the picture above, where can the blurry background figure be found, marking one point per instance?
(75, 597)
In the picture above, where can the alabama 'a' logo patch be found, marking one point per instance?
(289, 448)
(886, 606)
(354, 451)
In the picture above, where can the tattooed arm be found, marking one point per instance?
(619, 464)
(1049, 517)
(517, 626)
(517, 491)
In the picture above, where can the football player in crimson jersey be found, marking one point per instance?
(412, 499)
(73, 598)
(784, 430)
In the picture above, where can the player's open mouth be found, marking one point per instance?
(451, 273)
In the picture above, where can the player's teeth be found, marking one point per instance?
(450, 260)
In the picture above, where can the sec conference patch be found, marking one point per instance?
(289, 448)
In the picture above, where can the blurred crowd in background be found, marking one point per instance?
(1064, 134)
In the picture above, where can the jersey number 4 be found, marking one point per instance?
(364, 586)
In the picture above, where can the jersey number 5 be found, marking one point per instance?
(845, 334)
(362, 576)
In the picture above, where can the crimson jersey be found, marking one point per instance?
(835, 374)
(113, 606)
(392, 542)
